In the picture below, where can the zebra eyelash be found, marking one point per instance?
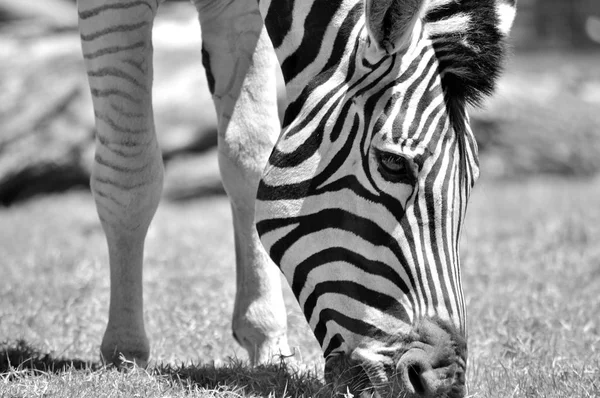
(396, 168)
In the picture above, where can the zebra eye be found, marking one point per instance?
(396, 168)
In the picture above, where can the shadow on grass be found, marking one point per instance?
(23, 356)
(276, 380)
(235, 376)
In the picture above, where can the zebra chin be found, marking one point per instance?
(427, 362)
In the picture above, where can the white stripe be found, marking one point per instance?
(506, 16)
(455, 24)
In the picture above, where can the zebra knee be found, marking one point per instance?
(126, 189)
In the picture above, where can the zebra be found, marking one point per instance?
(358, 198)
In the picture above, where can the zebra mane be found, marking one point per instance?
(469, 38)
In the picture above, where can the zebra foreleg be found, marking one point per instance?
(240, 66)
(128, 171)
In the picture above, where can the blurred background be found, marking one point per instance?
(544, 119)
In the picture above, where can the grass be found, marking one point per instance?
(531, 269)
(532, 280)
(234, 379)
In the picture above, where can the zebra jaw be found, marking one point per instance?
(428, 362)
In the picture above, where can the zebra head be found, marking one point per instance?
(363, 199)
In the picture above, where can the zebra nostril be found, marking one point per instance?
(414, 377)
(421, 375)
(417, 376)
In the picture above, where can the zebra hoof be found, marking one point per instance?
(125, 353)
(274, 352)
(267, 350)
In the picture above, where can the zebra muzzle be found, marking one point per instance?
(428, 362)
(419, 377)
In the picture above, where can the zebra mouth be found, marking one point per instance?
(428, 362)
(344, 375)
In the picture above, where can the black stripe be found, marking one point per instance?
(353, 259)
(114, 6)
(114, 50)
(131, 170)
(279, 20)
(121, 185)
(139, 65)
(114, 29)
(117, 127)
(127, 143)
(356, 326)
(105, 195)
(372, 298)
(116, 92)
(121, 111)
(334, 343)
(116, 72)
(210, 78)
(125, 154)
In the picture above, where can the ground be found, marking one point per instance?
(531, 269)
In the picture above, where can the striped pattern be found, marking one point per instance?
(120, 78)
(368, 253)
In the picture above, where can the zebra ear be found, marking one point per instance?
(390, 22)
